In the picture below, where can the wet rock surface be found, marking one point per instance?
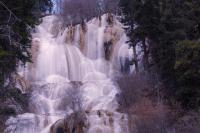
(74, 123)
(80, 123)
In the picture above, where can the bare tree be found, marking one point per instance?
(132, 90)
(74, 11)
(75, 102)
(74, 99)
(138, 98)
(111, 6)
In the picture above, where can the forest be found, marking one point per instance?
(66, 65)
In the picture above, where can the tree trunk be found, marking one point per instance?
(146, 55)
(135, 60)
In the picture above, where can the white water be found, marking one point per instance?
(59, 62)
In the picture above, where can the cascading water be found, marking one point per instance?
(72, 59)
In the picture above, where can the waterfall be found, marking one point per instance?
(70, 64)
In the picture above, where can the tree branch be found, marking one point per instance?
(11, 13)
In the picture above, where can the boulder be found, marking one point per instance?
(75, 123)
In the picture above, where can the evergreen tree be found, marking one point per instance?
(187, 70)
(17, 18)
(160, 25)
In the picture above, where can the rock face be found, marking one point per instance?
(20, 82)
(70, 34)
(108, 46)
(83, 30)
(113, 32)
